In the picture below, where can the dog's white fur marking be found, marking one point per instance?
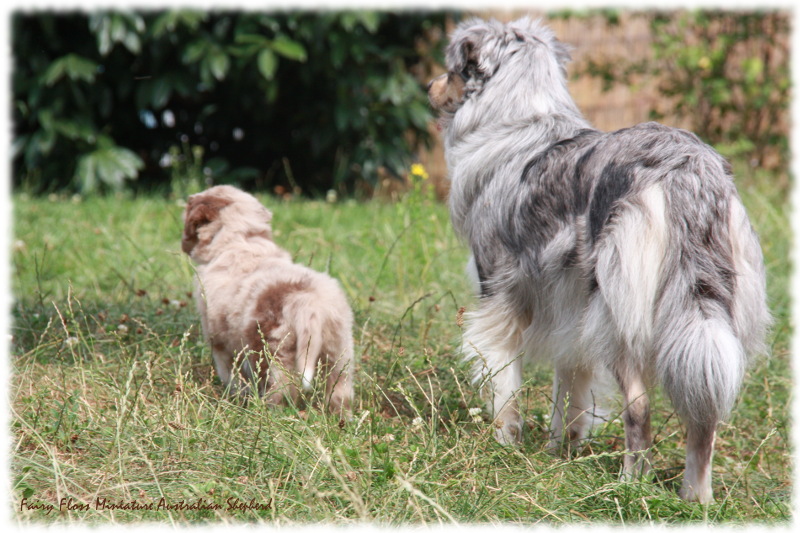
(271, 323)
(625, 254)
(629, 269)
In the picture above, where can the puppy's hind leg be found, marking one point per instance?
(701, 369)
(223, 363)
(235, 372)
(280, 385)
(493, 342)
(339, 381)
(278, 376)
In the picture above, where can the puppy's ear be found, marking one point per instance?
(266, 219)
(199, 212)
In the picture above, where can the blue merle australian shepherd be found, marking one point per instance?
(625, 254)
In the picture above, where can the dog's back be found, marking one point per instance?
(650, 202)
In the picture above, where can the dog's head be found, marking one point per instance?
(514, 57)
(221, 210)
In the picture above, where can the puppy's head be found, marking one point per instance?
(484, 53)
(221, 210)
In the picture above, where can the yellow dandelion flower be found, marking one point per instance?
(419, 171)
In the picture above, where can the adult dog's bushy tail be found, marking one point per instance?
(712, 315)
(684, 283)
(682, 276)
(700, 363)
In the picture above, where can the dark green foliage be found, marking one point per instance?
(318, 100)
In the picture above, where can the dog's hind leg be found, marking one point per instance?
(573, 406)
(636, 416)
(233, 370)
(699, 451)
(493, 342)
(504, 385)
(701, 366)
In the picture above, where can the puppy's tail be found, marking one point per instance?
(309, 347)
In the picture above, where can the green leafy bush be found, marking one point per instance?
(729, 72)
(726, 72)
(326, 99)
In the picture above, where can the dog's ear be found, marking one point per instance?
(462, 52)
(563, 53)
(454, 56)
(199, 212)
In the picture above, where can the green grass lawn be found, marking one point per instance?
(114, 402)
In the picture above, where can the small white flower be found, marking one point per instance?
(417, 424)
(388, 437)
(175, 304)
(71, 341)
(19, 245)
(331, 196)
(123, 329)
(475, 413)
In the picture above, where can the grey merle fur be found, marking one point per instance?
(626, 253)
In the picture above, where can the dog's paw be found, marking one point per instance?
(508, 432)
(556, 445)
(559, 446)
(636, 465)
(701, 494)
